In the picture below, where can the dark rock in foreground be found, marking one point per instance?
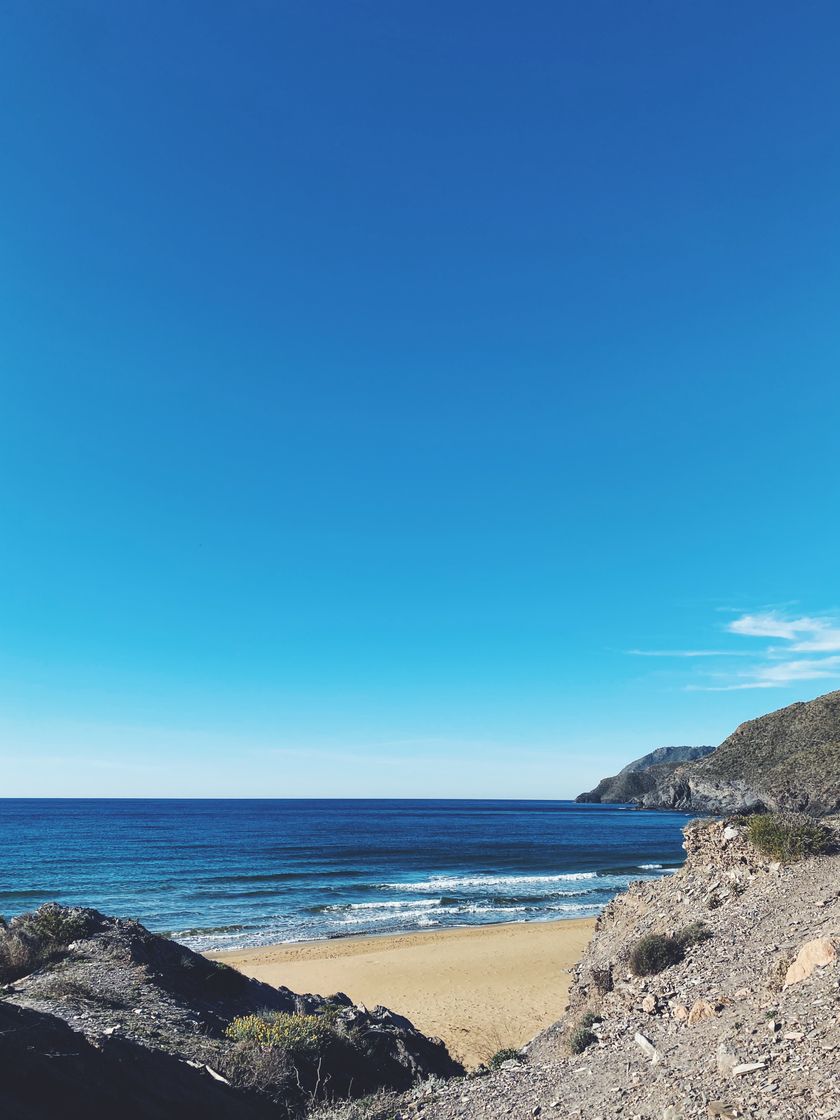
(101, 1014)
(50, 1069)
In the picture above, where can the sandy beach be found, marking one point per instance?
(479, 989)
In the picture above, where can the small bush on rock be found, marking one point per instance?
(589, 1019)
(788, 837)
(381, 1105)
(580, 1038)
(300, 1036)
(508, 1054)
(694, 934)
(32, 940)
(654, 953)
(52, 924)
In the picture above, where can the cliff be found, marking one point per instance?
(740, 1020)
(642, 776)
(786, 760)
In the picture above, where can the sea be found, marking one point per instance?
(226, 874)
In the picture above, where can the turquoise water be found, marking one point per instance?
(223, 874)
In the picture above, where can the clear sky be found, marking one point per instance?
(394, 395)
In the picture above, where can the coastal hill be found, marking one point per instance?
(641, 776)
(788, 759)
(710, 993)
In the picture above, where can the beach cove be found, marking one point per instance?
(480, 989)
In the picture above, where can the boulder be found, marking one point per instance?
(813, 954)
(701, 1010)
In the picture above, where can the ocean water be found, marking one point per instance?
(224, 874)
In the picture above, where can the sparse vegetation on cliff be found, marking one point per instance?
(580, 1038)
(695, 933)
(301, 1036)
(32, 940)
(654, 953)
(788, 837)
(507, 1054)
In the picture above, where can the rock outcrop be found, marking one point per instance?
(789, 760)
(110, 1018)
(642, 776)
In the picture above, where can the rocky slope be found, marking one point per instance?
(110, 1017)
(641, 776)
(789, 759)
(736, 1028)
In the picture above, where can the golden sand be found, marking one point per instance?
(479, 989)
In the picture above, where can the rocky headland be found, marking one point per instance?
(787, 760)
(642, 776)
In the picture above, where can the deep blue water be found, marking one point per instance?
(221, 874)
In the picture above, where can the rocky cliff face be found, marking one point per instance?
(642, 776)
(745, 1024)
(789, 759)
(103, 1017)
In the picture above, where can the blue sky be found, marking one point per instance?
(434, 399)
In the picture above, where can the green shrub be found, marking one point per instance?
(788, 837)
(508, 1054)
(654, 953)
(580, 1038)
(52, 924)
(694, 934)
(300, 1036)
(32, 940)
(589, 1019)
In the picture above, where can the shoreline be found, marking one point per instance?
(479, 988)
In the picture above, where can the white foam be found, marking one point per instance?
(442, 884)
(341, 906)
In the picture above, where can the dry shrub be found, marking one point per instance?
(654, 953)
